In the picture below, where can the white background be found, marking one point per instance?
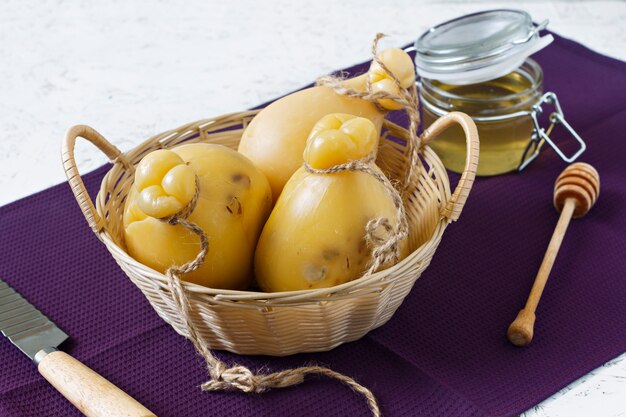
(132, 69)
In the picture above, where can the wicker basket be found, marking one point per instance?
(247, 322)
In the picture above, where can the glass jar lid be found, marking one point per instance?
(478, 47)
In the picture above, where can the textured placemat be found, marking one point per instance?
(443, 353)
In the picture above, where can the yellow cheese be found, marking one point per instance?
(276, 137)
(315, 236)
(233, 203)
(400, 64)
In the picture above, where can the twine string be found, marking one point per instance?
(238, 377)
(407, 99)
(385, 248)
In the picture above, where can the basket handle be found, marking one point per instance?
(455, 204)
(73, 176)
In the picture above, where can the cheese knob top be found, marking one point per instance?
(400, 64)
(166, 184)
(339, 138)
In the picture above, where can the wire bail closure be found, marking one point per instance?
(540, 135)
(535, 31)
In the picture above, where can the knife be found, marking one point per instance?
(38, 337)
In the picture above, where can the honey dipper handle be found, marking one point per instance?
(73, 176)
(520, 332)
(550, 256)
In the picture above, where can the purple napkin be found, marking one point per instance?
(443, 353)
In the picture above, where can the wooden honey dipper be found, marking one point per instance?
(575, 192)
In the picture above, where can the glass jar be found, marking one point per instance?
(499, 108)
(478, 64)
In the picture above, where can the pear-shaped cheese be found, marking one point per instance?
(233, 203)
(315, 236)
(275, 138)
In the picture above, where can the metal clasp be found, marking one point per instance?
(541, 135)
(535, 30)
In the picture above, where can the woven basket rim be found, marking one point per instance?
(448, 209)
(381, 277)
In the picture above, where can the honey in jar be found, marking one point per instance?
(479, 65)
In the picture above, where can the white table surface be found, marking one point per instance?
(132, 69)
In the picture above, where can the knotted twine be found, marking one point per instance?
(407, 98)
(385, 248)
(238, 377)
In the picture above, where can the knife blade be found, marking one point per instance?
(24, 325)
(38, 338)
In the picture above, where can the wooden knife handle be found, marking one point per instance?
(93, 395)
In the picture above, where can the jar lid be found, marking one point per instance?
(478, 47)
